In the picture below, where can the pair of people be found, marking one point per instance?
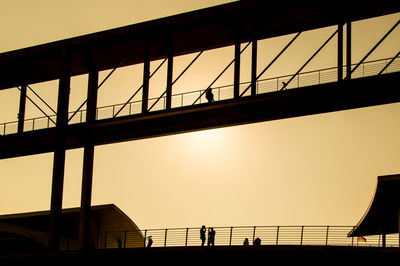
(257, 242)
(211, 236)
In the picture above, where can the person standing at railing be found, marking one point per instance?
(211, 237)
(203, 235)
(149, 242)
(209, 95)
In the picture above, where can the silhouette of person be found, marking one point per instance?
(211, 237)
(203, 235)
(246, 242)
(149, 242)
(257, 242)
(209, 95)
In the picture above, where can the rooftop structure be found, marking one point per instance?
(27, 232)
(382, 215)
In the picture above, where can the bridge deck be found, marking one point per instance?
(210, 256)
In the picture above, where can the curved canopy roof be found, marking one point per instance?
(35, 225)
(382, 215)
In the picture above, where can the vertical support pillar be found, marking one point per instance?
(348, 50)
(88, 159)
(146, 77)
(340, 52)
(169, 75)
(383, 240)
(59, 153)
(254, 67)
(22, 104)
(236, 81)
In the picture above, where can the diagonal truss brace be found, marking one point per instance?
(376, 46)
(272, 62)
(109, 74)
(188, 66)
(222, 72)
(309, 60)
(140, 88)
(37, 106)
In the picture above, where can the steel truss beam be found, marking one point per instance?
(265, 19)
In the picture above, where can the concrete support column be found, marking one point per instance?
(348, 50)
(254, 67)
(146, 77)
(21, 113)
(236, 81)
(88, 160)
(169, 76)
(340, 52)
(59, 153)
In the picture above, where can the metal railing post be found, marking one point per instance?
(254, 233)
(277, 83)
(277, 235)
(165, 239)
(298, 80)
(186, 238)
(230, 237)
(144, 239)
(327, 231)
(319, 77)
(301, 236)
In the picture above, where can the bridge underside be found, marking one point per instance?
(348, 94)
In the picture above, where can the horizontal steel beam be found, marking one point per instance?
(189, 33)
(311, 100)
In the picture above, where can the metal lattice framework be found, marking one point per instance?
(194, 32)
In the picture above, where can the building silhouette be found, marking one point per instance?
(29, 232)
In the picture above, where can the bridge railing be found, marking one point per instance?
(303, 79)
(235, 236)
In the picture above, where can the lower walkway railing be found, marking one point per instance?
(236, 236)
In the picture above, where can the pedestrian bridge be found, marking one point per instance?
(263, 86)
(235, 24)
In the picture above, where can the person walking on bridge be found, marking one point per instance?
(209, 95)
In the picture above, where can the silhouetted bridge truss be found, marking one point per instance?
(221, 93)
(234, 24)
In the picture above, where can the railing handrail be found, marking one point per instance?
(181, 95)
(317, 235)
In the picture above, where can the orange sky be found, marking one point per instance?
(314, 170)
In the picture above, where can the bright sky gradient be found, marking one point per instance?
(314, 170)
